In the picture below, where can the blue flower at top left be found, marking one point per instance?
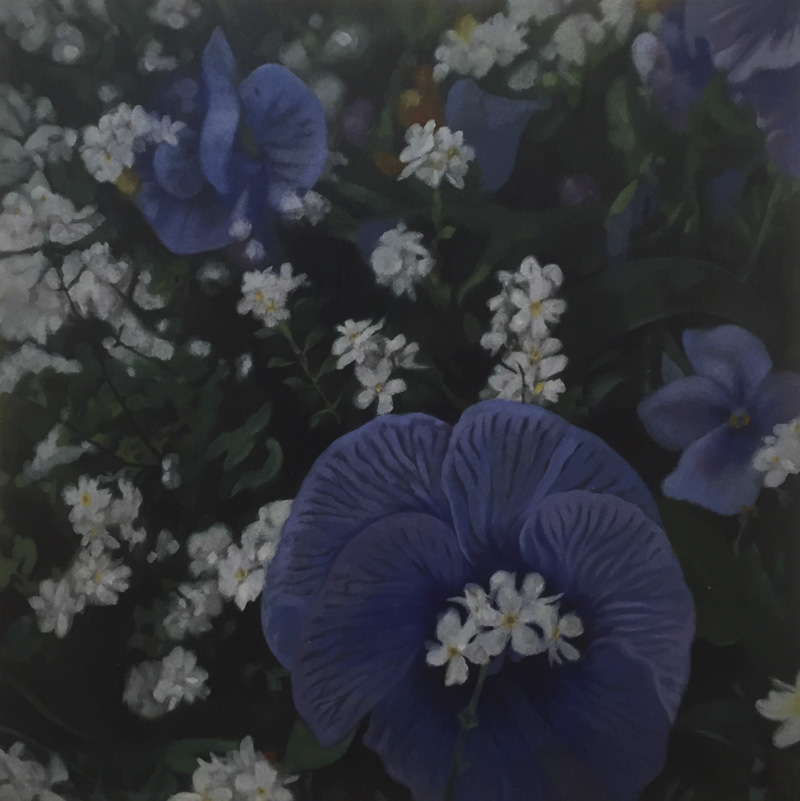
(243, 148)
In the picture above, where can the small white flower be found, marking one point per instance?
(556, 629)
(142, 679)
(166, 546)
(261, 782)
(175, 14)
(56, 605)
(123, 513)
(206, 549)
(50, 453)
(170, 475)
(30, 360)
(240, 576)
(533, 298)
(377, 384)
(456, 644)
(153, 60)
(783, 705)
(572, 40)
(50, 143)
(402, 353)
(181, 679)
(99, 577)
(400, 260)
(191, 609)
(205, 789)
(510, 617)
(311, 206)
(24, 779)
(266, 293)
(69, 45)
(779, 455)
(244, 366)
(260, 538)
(519, 378)
(357, 341)
(432, 155)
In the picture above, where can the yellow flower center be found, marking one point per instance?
(379, 388)
(97, 577)
(86, 499)
(465, 27)
(241, 574)
(510, 620)
(128, 182)
(536, 308)
(258, 296)
(539, 388)
(453, 652)
(261, 792)
(792, 708)
(106, 156)
(272, 307)
(534, 355)
(739, 420)
(556, 634)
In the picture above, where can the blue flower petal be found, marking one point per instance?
(184, 226)
(505, 457)
(390, 465)
(774, 96)
(746, 37)
(370, 620)
(288, 123)
(492, 125)
(684, 410)
(177, 167)
(776, 400)
(716, 471)
(616, 568)
(730, 356)
(221, 120)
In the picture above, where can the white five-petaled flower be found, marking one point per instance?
(206, 549)
(241, 576)
(266, 293)
(537, 309)
(456, 644)
(376, 383)
(518, 378)
(433, 155)
(357, 341)
(783, 705)
(510, 618)
(779, 455)
(557, 628)
(56, 605)
(400, 260)
(261, 783)
(99, 577)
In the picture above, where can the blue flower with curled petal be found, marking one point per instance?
(719, 416)
(401, 515)
(244, 147)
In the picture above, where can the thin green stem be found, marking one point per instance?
(469, 720)
(766, 225)
(303, 362)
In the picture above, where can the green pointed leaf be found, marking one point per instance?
(304, 751)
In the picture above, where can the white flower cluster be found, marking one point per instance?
(265, 294)
(99, 286)
(110, 147)
(433, 154)
(521, 620)
(29, 139)
(400, 260)
(33, 215)
(224, 570)
(473, 48)
(154, 60)
(31, 360)
(103, 520)
(156, 687)
(175, 14)
(375, 357)
(779, 454)
(22, 778)
(312, 207)
(40, 24)
(524, 313)
(51, 453)
(243, 775)
(783, 705)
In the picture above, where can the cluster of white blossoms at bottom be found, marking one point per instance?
(22, 778)
(400, 260)
(376, 358)
(521, 620)
(435, 154)
(783, 706)
(104, 520)
(242, 775)
(156, 687)
(265, 294)
(523, 314)
(779, 454)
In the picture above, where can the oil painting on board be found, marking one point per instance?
(399, 400)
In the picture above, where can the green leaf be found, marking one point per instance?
(279, 361)
(615, 301)
(7, 569)
(732, 723)
(304, 752)
(621, 132)
(239, 443)
(265, 475)
(624, 198)
(24, 553)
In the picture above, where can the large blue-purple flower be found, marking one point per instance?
(758, 45)
(719, 416)
(244, 147)
(401, 516)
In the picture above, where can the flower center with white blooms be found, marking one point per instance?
(536, 308)
(241, 574)
(508, 618)
(86, 499)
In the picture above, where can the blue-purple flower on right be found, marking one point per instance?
(719, 416)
